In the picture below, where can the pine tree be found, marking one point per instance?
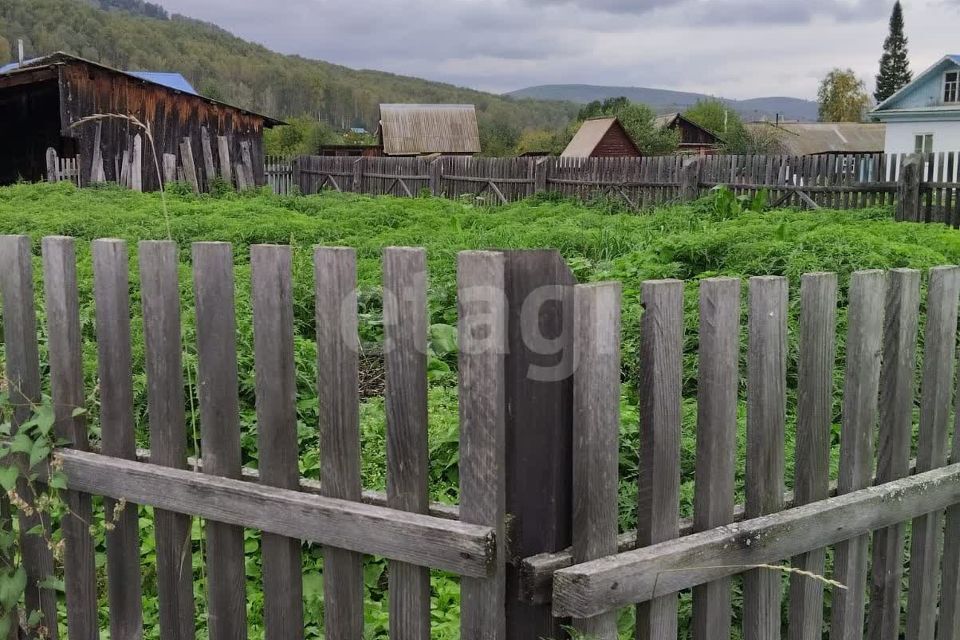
(894, 65)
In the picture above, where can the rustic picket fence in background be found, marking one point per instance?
(278, 172)
(539, 433)
(929, 191)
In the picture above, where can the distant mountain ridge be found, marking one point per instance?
(665, 100)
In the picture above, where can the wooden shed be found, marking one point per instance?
(694, 139)
(601, 138)
(424, 129)
(70, 105)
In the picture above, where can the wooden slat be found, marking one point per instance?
(219, 427)
(482, 339)
(335, 271)
(661, 350)
(408, 464)
(276, 392)
(818, 328)
(22, 381)
(596, 453)
(897, 384)
(114, 370)
(860, 395)
(766, 408)
(718, 380)
(936, 389)
(160, 299)
(65, 346)
(602, 585)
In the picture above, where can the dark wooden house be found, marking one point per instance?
(694, 139)
(82, 109)
(601, 138)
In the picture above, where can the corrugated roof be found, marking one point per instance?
(588, 136)
(13, 66)
(415, 129)
(172, 80)
(802, 139)
(665, 120)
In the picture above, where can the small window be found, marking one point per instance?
(923, 143)
(951, 87)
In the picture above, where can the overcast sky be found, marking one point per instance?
(730, 48)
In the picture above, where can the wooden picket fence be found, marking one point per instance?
(278, 171)
(842, 181)
(535, 536)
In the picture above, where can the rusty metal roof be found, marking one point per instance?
(416, 129)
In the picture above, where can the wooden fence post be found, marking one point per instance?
(53, 165)
(436, 174)
(539, 424)
(540, 168)
(690, 179)
(357, 176)
(908, 189)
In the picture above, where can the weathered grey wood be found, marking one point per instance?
(541, 167)
(690, 179)
(897, 384)
(818, 328)
(241, 174)
(940, 340)
(65, 344)
(247, 163)
(482, 331)
(436, 175)
(335, 273)
(136, 164)
(538, 392)
(188, 164)
(114, 369)
(596, 432)
(859, 419)
(717, 385)
(276, 391)
(53, 165)
(948, 627)
(226, 164)
(22, 381)
(448, 545)
(908, 189)
(633, 576)
(209, 169)
(169, 168)
(766, 409)
(125, 166)
(357, 178)
(160, 300)
(220, 431)
(658, 510)
(408, 464)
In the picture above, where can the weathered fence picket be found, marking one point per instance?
(602, 571)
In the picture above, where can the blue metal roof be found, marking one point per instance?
(13, 66)
(171, 80)
(955, 57)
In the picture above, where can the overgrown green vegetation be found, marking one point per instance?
(719, 235)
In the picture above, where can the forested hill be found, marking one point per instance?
(136, 35)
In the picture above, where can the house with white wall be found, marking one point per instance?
(924, 116)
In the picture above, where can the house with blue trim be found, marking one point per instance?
(924, 116)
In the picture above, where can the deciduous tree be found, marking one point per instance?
(842, 97)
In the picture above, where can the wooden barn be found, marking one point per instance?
(71, 105)
(425, 129)
(601, 138)
(694, 139)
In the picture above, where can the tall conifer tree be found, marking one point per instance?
(894, 65)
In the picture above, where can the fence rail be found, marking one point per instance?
(844, 181)
(534, 543)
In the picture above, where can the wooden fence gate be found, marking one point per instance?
(535, 538)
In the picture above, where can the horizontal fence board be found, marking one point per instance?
(635, 576)
(424, 540)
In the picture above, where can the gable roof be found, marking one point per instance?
(589, 135)
(945, 61)
(170, 81)
(667, 120)
(414, 129)
(812, 138)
